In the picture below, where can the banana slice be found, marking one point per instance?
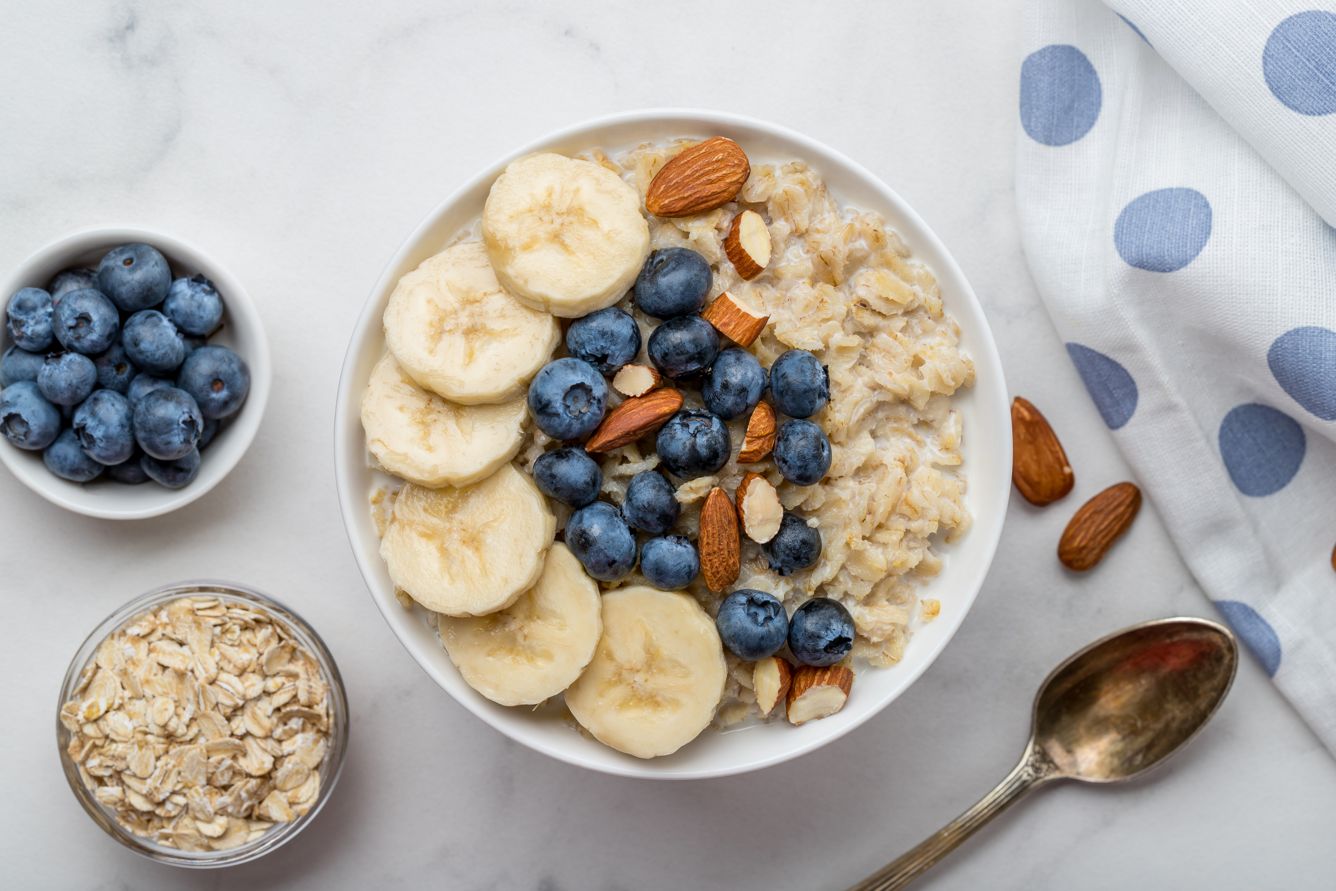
(536, 647)
(657, 675)
(564, 235)
(458, 333)
(469, 551)
(420, 437)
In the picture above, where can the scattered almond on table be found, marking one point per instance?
(1039, 466)
(1097, 525)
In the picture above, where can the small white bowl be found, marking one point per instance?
(987, 452)
(241, 331)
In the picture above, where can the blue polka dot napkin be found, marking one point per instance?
(1176, 182)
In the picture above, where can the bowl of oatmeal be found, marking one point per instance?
(463, 542)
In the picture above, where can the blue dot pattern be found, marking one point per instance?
(1262, 448)
(1256, 632)
(1060, 95)
(1163, 230)
(1303, 362)
(1109, 384)
(1299, 62)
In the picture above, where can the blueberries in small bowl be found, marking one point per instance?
(607, 339)
(167, 424)
(567, 398)
(693, 443)
(799, 384)
(602, 542)
(821, 632)
(669, 562)
(795, 546)
(651, 503)
(103, 425)
(27, 419)
(115, 370)
(802, 452)
(752, 624)
(67, 460)
(153, 343)
(194, 306)
(75, 278)
(173, 474)
(735, 383)
(683, 347)
(86, 322)
(673, 282)
(67, 378)
(28, 319)
(134, 276)
(19, 365)
(568, 475)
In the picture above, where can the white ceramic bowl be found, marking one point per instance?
(241, 331)
(987, 453)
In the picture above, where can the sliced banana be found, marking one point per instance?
(564, 235)
(459, 334)
(422, 438)
(469, 551)
(657, 675)
(537, 646)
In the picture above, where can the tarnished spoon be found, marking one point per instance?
(1109, 713)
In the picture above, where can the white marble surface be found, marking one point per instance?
(300, 142)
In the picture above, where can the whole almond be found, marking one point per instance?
(718, 541)
(1039, 465)
(707, 175)
(759, 440)
(634, 418)
(1097, 525)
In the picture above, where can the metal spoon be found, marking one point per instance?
(1109, 713)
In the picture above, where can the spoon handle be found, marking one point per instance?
(1035, 768)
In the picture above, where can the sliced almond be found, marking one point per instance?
(747, 244)
(759, 440)
(1097, 525)
(636, 380)
(818, 692)
(702, 177)
(771, 677)
(1039, 466)
(718, 541)
(633, 419)
(758, 508)
(734, 319)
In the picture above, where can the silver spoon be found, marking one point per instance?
(1109, 713)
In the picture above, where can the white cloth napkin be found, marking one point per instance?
(1176, 161)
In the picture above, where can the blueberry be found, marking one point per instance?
(67, 378)
(72, 279)
(115, 371)
(683, 347)
(194, 305)
(153, 343)
(19, 365)
(193, 343)
(607, 339)
(167, 423)
(143, 384)
(669, 562)
(693, 443)
(802, 452)
(218, 380)
(172, 474)
(567, 398)
(650, 504)
(134, 276)
(799, 384)
(821, 632)
(752, 624)
(104, 428)
(86, 322)
(129, 472)
(673, 282)
(211, 428)
(795, 546)
(66, 459)
(568, 475)
(26, 418)
(602, 542)
(735, 383)
(28, 318)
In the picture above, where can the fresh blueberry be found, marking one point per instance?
(799, 384)
(28, 318)
(211, 428)
(115, 370)
(602, 542)
(153, 343)
(67, 378)
(821, 632)
(194, 305)
(104, 427)
(26, 418)
(607, 339)
(735, 383)
(86, 322)
(130, 472)
(72, 279)
(795, 546)
(218, 380)
(693, 443)
(669, 562)
(143, 384)
(752, 624)
(172, 474)
(567, 398)
(167, 423)
(802, 452)
(650, 504)
(19, 365)
(568, 475)
(673, 282)
(66, 459)
(134, 276)
(683, 347)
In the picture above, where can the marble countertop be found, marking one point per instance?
(300, 142)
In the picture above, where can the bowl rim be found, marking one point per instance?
(989, 363)
(244, 426)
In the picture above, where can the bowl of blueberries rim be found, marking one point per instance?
(134, 373)
(569, 400)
